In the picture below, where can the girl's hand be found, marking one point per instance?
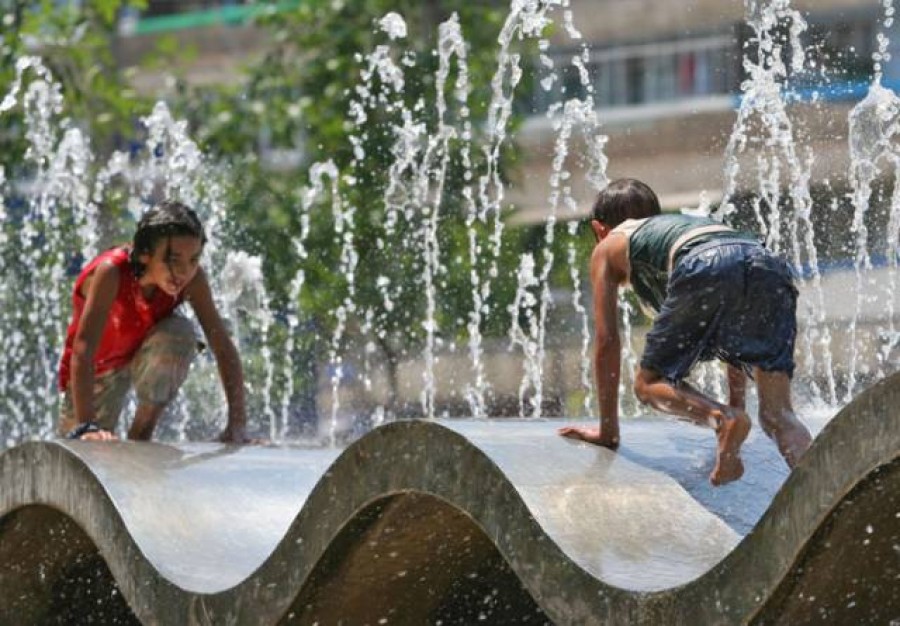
(91, 431)
(100, 435)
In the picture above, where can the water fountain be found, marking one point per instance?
(62, 215)
(331, 533)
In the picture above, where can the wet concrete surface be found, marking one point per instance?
(454, 520)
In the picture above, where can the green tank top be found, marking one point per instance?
(650, 246)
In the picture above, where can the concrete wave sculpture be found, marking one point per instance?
(457, 522)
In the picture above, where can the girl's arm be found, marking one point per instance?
(228, 360)
(100, 291)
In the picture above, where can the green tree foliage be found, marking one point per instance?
(295, 107)
(76, 42)
(41, 230)
(299, 99)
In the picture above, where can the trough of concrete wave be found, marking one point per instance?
(458, 522)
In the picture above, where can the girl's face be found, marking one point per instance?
(173, 264)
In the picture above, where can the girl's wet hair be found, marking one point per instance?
(167, 219)
(624, 199)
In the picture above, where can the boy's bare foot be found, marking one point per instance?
(731, 432)
(793, 442)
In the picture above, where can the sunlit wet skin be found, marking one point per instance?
(731, 424)
(793, 440)
(731, 431)
(777, 417)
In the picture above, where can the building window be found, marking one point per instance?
(840, 51)
(637, 74)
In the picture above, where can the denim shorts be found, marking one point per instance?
(728, 300)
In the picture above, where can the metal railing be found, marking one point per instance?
(227, 14)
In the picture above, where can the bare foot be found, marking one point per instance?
(793, 442)
(789, 434)
(731, 432)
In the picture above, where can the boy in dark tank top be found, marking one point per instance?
(716, 294)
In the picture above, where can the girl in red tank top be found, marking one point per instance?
(125, 332)
(130, 318)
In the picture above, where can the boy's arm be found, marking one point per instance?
(607, 273)
(607, 355)
(228, 360)
(101, 288)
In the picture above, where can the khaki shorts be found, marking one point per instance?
(156, 372)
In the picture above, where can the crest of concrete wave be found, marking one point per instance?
(458, 522)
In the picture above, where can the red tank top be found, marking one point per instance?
(130, 318)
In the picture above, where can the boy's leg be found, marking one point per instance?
(159, 368)
(110, 393)
(701, 290)
(731, 424)
(777, 418)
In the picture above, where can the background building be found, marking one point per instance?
(666, 77)
(215, 39)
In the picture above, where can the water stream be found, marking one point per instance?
(764, 161)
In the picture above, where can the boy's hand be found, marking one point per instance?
(605, 438)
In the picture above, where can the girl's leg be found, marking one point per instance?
(731, 424)
(110, 394)
(777, 418)
(159, 369)
(145, 418)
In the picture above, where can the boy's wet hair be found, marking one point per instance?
(167, 219)
(625, 199)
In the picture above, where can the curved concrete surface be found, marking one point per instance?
(458, 522)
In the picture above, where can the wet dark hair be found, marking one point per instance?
(623, 199)
(167, 219)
